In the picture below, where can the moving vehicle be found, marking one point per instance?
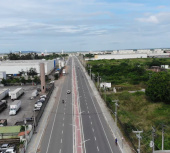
(68, 91)
(3, 105)
(43, 96)
(14, 107)
(3, 93)
(3, 122)
(16, 93)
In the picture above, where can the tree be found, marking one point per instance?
(158, 88)
(32, 72)
(3, 81)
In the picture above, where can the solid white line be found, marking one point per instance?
(72, 105)
(97, 148)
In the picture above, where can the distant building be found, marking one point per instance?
(13, 67)
(105, 85)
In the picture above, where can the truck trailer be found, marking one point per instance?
(3, 93)
(14, 107)
(3, 105)
(16, 93)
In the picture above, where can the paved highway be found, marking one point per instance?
(78, 125)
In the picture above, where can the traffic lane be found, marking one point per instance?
(99, 116)
(92, 127)
(89, 135)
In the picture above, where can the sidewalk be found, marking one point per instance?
(123, 145)
(33, 145)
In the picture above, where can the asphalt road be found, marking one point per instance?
(78, 125)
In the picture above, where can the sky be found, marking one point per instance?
(83, 25)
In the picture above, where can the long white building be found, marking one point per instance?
(119, 56)
(13, 67)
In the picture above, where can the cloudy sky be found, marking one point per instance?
(78, 25)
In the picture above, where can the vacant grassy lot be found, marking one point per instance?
(135, 110)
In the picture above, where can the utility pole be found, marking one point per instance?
(163, 126)
(98, 79)
(153, 135)
(90, 71)
(139, 137)
(34, 119)
(116, 104)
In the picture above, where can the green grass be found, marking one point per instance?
(136, 112)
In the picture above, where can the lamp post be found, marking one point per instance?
(25, 123)
(34, 119)
(116, 104)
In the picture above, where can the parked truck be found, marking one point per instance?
(3, 93)
(16, 93)
(3, 105)
(3, 122)
(14, 107)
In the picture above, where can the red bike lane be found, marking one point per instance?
(78, 136)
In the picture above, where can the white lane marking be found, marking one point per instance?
(93, 129)
(97, 148)
(87, 107)
(95, 138)
(88, 111)
(63, 124)
(63, 118)
(60, 151)
(91, 123)
(61, 140)
(62, 131)
(90, 117)
(64, 113)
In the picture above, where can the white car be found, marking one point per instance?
(43, 96)
(68, 91)
(10, 151)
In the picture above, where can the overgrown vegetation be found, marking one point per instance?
(137, 110)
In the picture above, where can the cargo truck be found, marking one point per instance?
(3, 105)
(14, 107)
(16, 93)
(3, 93)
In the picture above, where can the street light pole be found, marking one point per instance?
(116, 104)
(90, 71)
(25, 122)
(98, 79)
